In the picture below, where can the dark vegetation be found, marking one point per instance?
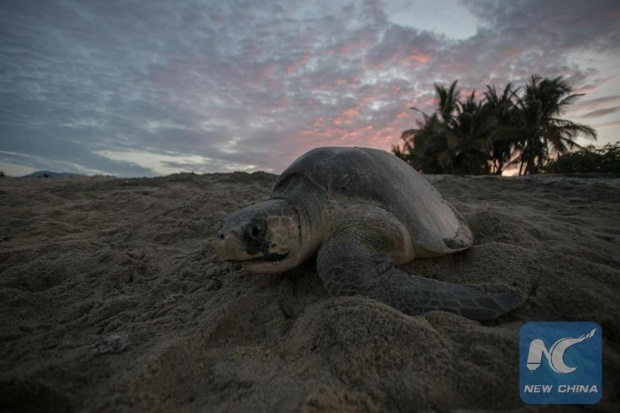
(588, 159)
(518, 127)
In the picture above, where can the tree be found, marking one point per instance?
(454, 139)
(505, 135)
(544, 135)
(475, 136)
(448, 101)
(588, 159)
(426, 147)
(469, 137)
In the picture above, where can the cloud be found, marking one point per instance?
(26, 164)
(555, 26)
(601, 112)
(611, 125)
(134, 88)
(168, 163)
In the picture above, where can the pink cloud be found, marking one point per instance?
(418, 57)
(610, 125)
(403, 115)
(351, 112)
(601, 112)
(294, 66)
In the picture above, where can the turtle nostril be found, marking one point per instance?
(221, 236)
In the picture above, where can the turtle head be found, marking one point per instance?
(265, 237)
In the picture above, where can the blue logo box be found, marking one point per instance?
(560, 362)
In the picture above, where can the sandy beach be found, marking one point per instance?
(112, 299)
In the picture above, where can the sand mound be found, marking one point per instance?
(112, 299)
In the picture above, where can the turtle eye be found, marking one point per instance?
(254, 237)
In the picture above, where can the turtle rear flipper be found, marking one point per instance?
(349, 267)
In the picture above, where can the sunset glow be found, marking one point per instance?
(210, 86)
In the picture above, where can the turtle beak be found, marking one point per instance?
(229, 246)
(239, 246)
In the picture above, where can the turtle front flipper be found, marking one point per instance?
(349, 266)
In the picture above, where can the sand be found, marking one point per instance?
(112, 299)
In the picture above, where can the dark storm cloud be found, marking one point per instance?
(555, 25)
(136, 88)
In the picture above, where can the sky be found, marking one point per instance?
(147, 88)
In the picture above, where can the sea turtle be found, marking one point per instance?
(361, 211)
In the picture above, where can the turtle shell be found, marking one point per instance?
(365, 175)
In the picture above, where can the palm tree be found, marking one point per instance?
(544, 134)
(469, 137)
(448, 101)
(505, 136)
(426, 147)
(482, 136)
(454, 139)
